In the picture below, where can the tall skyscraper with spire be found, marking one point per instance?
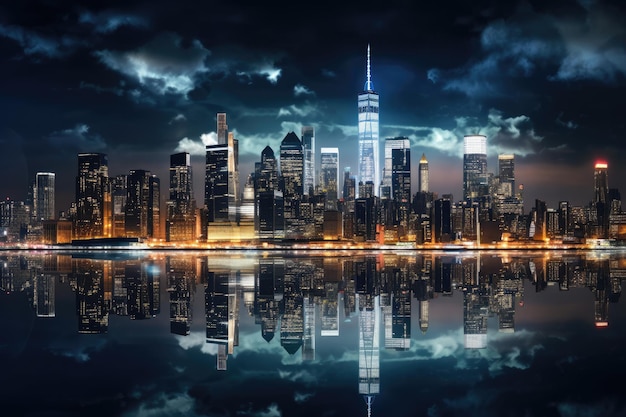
(369, 161)
(423, 175)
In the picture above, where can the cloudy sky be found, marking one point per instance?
(544, 80)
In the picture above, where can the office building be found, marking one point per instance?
(390, 145)
(329, 176)
(308, 146)
(475, 179)
(92, 197)
(43, 196)
(142, 215)
(423, 179)
(181, 206)
(292, 181)
(506, 174)
(368, 127)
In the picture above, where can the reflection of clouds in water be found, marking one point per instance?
(248, 343)
(79, 351)
(299, 376)
(302, 397)
(166, 405)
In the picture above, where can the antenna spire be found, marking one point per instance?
(369, 86)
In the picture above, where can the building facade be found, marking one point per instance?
(368, 127)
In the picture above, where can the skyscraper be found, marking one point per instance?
(43, 196)
(92, 196)
(222, 129)
(423, 175)
(390, 145)
(369, 161)
(269, 223)
(181, 205)
(475, 184)
(601, 182)
(308, 145)
(506, 174)
(329, 175)
(292, 180)
(142, 216)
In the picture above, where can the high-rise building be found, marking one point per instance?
(181, 205)
(601, 182)
(349, 189)
(142, 215)
(268, 207)
(506, 174)
(292, 180)
(222, 129)
(475, 179)
(368, 104)
(399, 170)
(308, 145)
(390, 145)
(329, 175)
(119, 194)
(92, 196)
(43, 196)
(423, 179)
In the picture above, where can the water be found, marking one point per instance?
(178, 333)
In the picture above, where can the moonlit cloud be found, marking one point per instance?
(178, 118)
(197, 147)
(301, 90)
(106, 22)
(504, 134)
(164, 65)
(299, 111)
(302, 397)
(165, 404)
(197, 340)
(35, 44)
(77, 138)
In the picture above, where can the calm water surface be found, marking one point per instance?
(312, 334)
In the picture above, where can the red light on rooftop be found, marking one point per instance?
(602, 324)
(601, 165)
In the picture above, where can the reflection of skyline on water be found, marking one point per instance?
(371, 304)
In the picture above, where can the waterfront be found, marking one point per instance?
(271, 333)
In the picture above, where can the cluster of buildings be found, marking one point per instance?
(300, 194)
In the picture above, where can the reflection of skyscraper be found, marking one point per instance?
(93, 314)
(475, 306)
(44, 295)
(268, 295)
(181, 280)
(308, 145)
(368, 104)
(292, 322)
(308, 339)
(329, 175)
(369, 347)
(43, 196)
(475, 167)
(216, 309)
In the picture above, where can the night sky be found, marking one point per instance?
(544, 80)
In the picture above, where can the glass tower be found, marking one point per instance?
(44, 196)
(329, 175)
(369, 161)
(181, 206)
(92, 196)
(423, 175)
(308, 145)
(475, 180)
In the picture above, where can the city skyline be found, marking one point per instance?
(542, 81)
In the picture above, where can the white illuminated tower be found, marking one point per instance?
(423, 174)
(308, 145)
(44, 196)
(369, 161)
(474, 167)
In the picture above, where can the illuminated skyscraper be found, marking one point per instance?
(369, 161)
(181, 205)
(142, 216)
(475, 184)
(43, 196)
(506, 174)
(329, 175)
(601, 182)
(390, 145)
(92, 196)
(308, 145)
(400, 167)
(423, 175)
(292, 180)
